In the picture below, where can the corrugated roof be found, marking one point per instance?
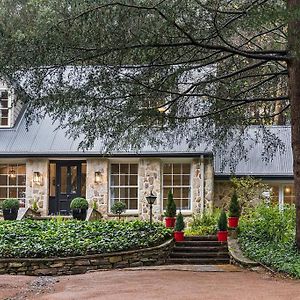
(43, 140)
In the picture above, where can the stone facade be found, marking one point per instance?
(34, 191)
(197, 177)
(208, 184)
(81, 264)
(223, 192)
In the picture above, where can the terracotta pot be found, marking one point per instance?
(170, 222)
(222, 236)
(233, 222)
(178, 236)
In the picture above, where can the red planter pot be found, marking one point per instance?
(222, 236)
(178, 236)
(170, 222)
(233, 222)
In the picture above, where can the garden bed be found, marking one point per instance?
(57, 238)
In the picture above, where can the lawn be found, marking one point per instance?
(57, 238)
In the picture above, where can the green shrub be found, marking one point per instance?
(29, 238)
(10, 203)
(79, 203)
(222, 222)
(35, 206)
(179, 225)
(267, 235)
(118, 208)
(234, 206)
(171, 206)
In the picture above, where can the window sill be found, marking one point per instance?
(126, 214)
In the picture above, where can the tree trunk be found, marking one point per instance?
(294, 90)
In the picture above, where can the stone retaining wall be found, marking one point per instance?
(76, 265)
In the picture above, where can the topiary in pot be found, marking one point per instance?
(234, 211)
(222, 227)
(118, 208)
(179, 226)
(10, 208)
(79, 208)
(170, 211)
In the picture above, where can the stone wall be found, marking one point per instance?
(34, 191)
(77, 265)
(197, 185)
(222, 193)
(208, 184)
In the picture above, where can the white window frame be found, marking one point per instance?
(112, 162)
(177, 161)
(9, 108)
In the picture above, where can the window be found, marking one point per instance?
(282, 193)
(13, 181)
(176, 178)
(124, 184)
(4, 108)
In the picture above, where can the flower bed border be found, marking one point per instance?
(157, 255)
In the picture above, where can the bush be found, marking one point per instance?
(222, 222)
(118, 208)
(79, 203)
(179, 225)
(29, 238)
(11, 204)
(267, 235)
(234, 206)
(171, 206)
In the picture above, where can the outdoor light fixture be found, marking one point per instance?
(12, 173)
(151, 199)
(98, 177)
(287, 190)
(37, 178)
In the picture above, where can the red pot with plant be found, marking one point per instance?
(222, 227)
(170, 211)
(178, 230)
(234, 211)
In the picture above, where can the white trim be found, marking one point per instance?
(9, 108)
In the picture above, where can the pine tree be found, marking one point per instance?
(234, 206)
(222, 223)
(171, 206)
(179, 226)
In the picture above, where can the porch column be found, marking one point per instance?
(149, 180)
(98, 191)
(197, 185)
(38, 191)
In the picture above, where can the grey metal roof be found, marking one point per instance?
(43, 140)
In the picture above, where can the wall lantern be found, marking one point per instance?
(37, 178)
(98, 177)
(151, 199)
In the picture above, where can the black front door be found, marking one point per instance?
(68, 175)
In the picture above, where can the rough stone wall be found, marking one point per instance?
(222, 193)
(34, 191)
(98, 191)
(196, 185)
(81, 264)
(149, 180)
(208, 184)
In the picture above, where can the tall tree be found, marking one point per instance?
(152, 71)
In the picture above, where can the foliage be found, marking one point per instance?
(179, 225)
(234, 206)
(53, 238)
(268, 236)
(222, 222)
(10, 203)
(249, 190)
(79, 203)
(94, 205)
(204, 224)
(35, 205)
(171, 206)
(118, 208)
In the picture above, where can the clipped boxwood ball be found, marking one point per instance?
(11, 204)
(79, 203)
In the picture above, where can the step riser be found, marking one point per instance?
(198, 261)
(200, 249)
(199, 255)
(200, 244)
(201, 238)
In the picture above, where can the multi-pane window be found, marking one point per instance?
(4, 109)
(13, 181)
(176, 178)
(124, 184)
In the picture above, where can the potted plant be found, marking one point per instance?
(222, 227)
(179, 226)
(10, 208)
(118, 208)
(79, 208)
(234, 211)
(34, 206)
(170, 211)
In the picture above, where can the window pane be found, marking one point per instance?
(124, 180)
(133, 180)
(133, 168)
(178, 203)
(167, 181)
(13, 192)
(289, 196)
(186, 169)
(167, 169)
(185, 179)
(124, 169)
(133, 204)
(123, 193)
(176, 168)
(274, 194)
(63, 180)
(114, 180)
(185, 204)
(12, 180)
(115, 169)
(21, 169)
(3, 192)
(21, 180)
(115, 193)
(177, 193)
(185, 192)
(4, 121)
(3, 169)
(3, 179)
(133, 192)
(176, 180)
(21, 193)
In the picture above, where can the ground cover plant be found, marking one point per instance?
(54, 238)
(267, 235)
(204, 224)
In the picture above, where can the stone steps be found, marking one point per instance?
(199, 250)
